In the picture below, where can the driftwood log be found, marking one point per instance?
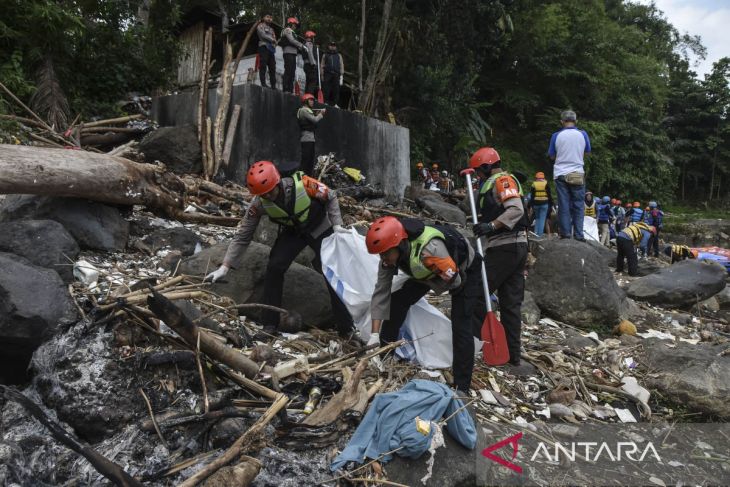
(175, 319)
(103, 465)
(97, 177)
(81, 174)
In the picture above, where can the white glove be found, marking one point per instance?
(341, 79)
(217, 274)
(374, 339)
(340, 229)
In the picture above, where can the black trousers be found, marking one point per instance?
(267, 62)
(654, 244)
(506, 276)
(285, 249)
(307, 162)
(310, 70)
(290, 66)
(463, 302)
(626, 250)
(331, 88)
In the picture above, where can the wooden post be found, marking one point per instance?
(231, 134)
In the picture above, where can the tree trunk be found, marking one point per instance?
(712, 177)
(361, 46)
(373, 72)
(81, 174)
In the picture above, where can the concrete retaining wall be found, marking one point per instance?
(268, 129)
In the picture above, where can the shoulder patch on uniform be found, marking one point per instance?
(507, 188)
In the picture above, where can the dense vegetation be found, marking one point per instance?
(458, 74)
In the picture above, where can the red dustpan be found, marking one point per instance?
(494, 350)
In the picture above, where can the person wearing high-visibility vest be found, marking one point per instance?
(435, 258)
(308, 212)
(679, 253)
(541, 200)
(636, 235)
(503, 223)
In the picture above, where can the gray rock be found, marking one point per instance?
(176, 238)
(709, 304)
(33, 302)
(177, 147)
(305, 290)
(690, 375)
(681, 284)
(44, 243)
(453, 465)
(442, 210)
(577, 342)
(530, 311)
(608, 256)
(571, 284)
(723, 298)
(93, 225)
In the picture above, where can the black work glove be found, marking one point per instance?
(484, 229)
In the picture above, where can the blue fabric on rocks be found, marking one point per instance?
(390, 423)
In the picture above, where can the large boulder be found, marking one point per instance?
(441, 210)
(571, 283)
(305, 290)
(33, 302)
(177, 147)
(691, 375)
(176, 238)
(44, 243)
(680, 285)
(93, 225)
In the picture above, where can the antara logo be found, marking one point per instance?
(514, 442)
(591, 451)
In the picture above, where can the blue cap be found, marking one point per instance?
(652, 204)
(606, 199)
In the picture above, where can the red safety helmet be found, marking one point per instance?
(292, 20)
(384, 234)
(262, 177)
(485, 155)
(307, 96)
(310, 33)
(637, 204)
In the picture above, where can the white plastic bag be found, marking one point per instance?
(352, 272)
(590, 228)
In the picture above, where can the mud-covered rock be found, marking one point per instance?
(44, 243)
(33, 302)
(681, 284)
(176, 238)
(305, 290)
(529, 310)
(691, 375)
(441, 210)
(93, 225)
(571, 283)
(177, 147)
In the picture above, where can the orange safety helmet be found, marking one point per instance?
(637, 204)
(292, 20)
(384, 234)
(540, 175)
(307, 96)
(262, 177)
(485, 155)
(310, 33)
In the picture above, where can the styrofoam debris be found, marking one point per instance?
(631, 385)
(625, 416)
(652, 333)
